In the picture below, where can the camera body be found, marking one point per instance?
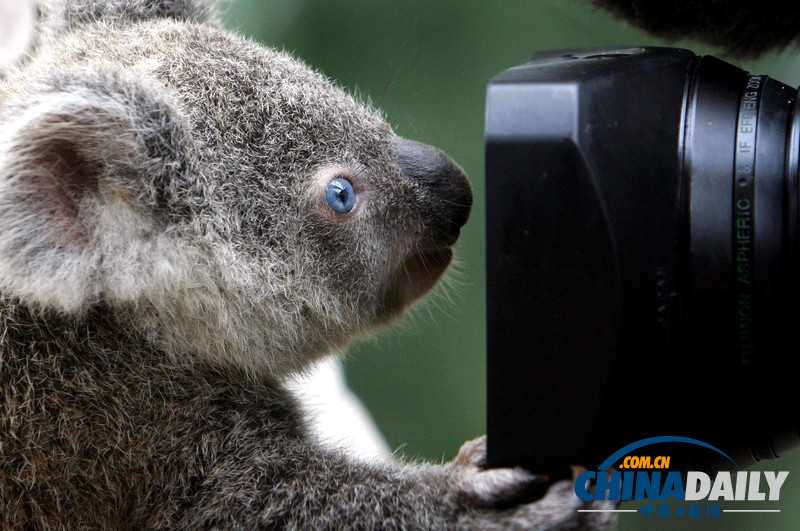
(642, 258)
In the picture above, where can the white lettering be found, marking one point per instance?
(775, 482)
(741, 486)
(697, 485)
(753, 494)
(722, 488)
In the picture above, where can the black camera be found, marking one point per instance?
(643, 269)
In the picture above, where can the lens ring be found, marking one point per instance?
(743, 220)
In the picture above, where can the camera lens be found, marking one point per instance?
(740, 170)
(643, 273)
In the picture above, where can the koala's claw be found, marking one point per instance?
(475, 485)
(472, 484)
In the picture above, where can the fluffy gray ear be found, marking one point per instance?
(84, 168)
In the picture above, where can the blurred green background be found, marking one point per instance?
(426, 64)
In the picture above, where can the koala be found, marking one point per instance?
(187, 218)
(743, 28)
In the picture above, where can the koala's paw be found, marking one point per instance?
(486, 490)
(472, 484)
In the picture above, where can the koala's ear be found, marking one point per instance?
(84, 167)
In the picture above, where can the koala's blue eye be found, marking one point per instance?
(340, 195)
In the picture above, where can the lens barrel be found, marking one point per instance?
(743, 247)
(642, 258)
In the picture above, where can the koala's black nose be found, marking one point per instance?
(445, 186)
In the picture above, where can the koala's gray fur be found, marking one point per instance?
(167, 257)
(741, 27)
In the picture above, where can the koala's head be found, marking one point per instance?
(222, 198)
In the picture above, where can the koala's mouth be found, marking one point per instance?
(420, 272)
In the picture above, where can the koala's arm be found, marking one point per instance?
(268, 476)
(101, 431)
(311, 488)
